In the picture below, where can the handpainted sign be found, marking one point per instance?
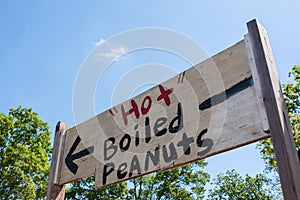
(208, 109)
(225, 102)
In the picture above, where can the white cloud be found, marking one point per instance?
(115, 53)
(101, 41)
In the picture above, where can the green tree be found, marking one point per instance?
(85, 189)
(233, 186)
(186, 182)
(291, 93)
(25, 150)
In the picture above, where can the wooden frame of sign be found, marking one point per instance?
(227, 101)
(55, 190)
(282, 138)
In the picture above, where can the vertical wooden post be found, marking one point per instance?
(281, 134)
(55, 191)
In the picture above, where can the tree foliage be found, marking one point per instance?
(291, 92)
(25, 149)
(186, 182)
(233, 186)
(85, 189)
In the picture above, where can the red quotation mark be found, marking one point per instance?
(181, 77)
(111, 111)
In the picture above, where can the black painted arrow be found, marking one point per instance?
(223, 96)
(73, 167)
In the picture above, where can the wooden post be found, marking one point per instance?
(281, 134)
(56, 191)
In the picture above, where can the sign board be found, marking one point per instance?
(192, 116)
(176, 122)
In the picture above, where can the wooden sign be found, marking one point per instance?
(210, 108)
(186, 118)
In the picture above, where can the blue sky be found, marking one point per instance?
(44, 43)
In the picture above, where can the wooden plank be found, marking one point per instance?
(284, 145)
(257, 85)
(207, 109)
(55, 190)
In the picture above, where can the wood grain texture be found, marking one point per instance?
(208, 109)
(257, 85)
(284, 145)
(57, 191)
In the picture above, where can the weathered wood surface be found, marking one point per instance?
(56, 191)
(208, 109)
(257, 84)
(282, 139)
